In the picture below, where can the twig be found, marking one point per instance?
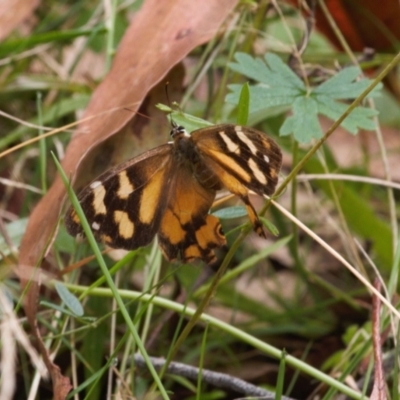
(217, 379)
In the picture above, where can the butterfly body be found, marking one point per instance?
(169, 190)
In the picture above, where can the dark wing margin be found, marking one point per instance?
(124, 206)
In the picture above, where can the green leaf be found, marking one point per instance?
(343, 85)
(360, 117)
(70, 300)
(282, 75)
(231, 212)
(304, 123)
(277, 87)
(261, 98)
(248, 66)
(274, 72)
(243, 106)
(270, 226)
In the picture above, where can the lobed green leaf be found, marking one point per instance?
(278, 87)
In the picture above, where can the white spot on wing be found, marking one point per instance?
(96, 226)
(232, 147)
(245, 139)
(95, 184)
(266, 158)
(257, 172)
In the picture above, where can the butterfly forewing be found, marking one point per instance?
(243, 159)
(244, 153)
(125, 205)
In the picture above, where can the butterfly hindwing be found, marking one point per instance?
(187, 230)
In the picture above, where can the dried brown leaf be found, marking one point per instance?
(13, 12)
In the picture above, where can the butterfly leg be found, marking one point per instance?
(257, 225)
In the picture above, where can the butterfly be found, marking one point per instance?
(169, 190)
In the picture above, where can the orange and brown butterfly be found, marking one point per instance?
(168, 191)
